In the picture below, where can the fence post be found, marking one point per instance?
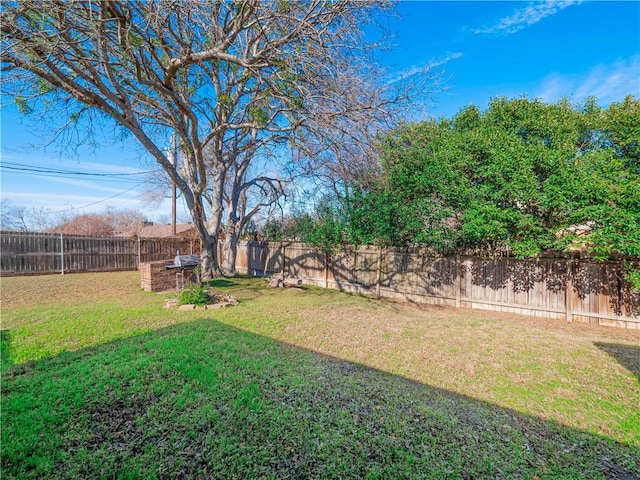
(354, 272)
(326, 269)
(62, 252)
(568, 299)
(379, 275)
(284, 258)
(139, 254)
(458, 282)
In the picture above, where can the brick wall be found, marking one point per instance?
(155, 277)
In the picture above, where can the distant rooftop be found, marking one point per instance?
(162, 231)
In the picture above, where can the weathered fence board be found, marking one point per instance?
(40, 253)
(575, 289)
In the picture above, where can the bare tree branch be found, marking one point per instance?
(233, 81)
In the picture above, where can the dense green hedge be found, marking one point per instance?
(523, 175)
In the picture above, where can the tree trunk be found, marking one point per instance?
(230, 250)
(209, 263)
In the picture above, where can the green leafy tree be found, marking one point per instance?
(522, 175)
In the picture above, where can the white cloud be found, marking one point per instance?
(425, 68)
(445, 60)
(526, 17)
(93, 186)
(57, 201)
(608, 83)
(78, 203)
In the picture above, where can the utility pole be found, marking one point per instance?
(174, 162)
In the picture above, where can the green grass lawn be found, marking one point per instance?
(98, 381)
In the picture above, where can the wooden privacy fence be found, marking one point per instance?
(575, 289)
(39, 253)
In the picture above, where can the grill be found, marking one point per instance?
(182, 263)
(185, 261)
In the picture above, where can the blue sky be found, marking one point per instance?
(545, 50)
(542, 50)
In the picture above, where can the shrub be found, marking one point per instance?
(195, 294)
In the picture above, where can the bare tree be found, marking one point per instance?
(110, 222)
(246, 194)
(125, 221)
(13, 216)
(21, 218)
(206, 71)
(85, 224)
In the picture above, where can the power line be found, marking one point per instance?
(49, 175)
(100, 201)
(43, 170)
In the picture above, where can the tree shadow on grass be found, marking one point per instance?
(221, 283)
(626, 355)
(249, 286)
(5, 350)
(207, 400)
